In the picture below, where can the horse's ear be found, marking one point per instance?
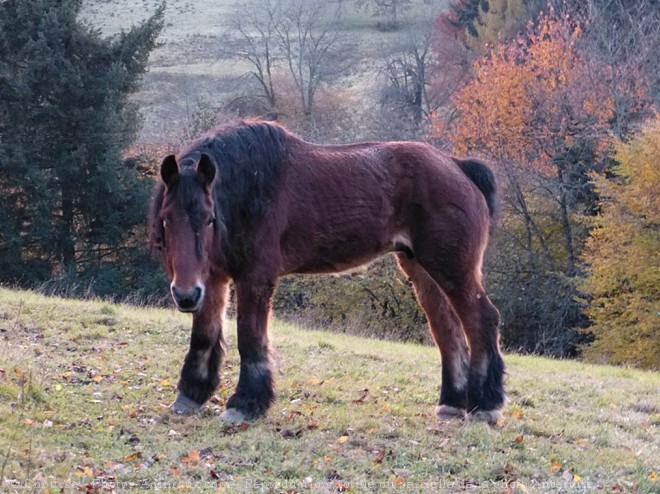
(206, 170)
(169, 170)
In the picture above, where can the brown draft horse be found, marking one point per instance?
(251, 202)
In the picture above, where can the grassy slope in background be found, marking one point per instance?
(84, 390)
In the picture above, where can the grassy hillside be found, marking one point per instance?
(84, 390)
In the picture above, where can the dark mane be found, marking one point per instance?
(248, 155)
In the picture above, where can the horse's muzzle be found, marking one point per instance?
(188, 301)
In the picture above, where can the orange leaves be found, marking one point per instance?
(530, 97)
(555, 465)
(192, 457)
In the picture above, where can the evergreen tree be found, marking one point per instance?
(464, 13)
(69, 202)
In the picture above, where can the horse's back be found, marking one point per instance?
(345, 205)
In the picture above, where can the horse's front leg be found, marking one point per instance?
(255, 391)
(200, 373)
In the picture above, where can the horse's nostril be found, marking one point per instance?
(187, 300)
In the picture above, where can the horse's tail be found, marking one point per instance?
(483, 178)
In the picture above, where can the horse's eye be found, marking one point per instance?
(211, 221)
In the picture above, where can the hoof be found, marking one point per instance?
(491, 417)
(184, 405)
(446, 412)
(232, 416)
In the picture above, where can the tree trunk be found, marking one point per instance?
(566, 225)
(67, 251)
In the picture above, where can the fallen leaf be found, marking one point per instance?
(192, 457)
(399, 481)
(556, 465)
(653, 476)
(576, 478)
(97, 379)
(362, 397)
(343, 439)
(22, 378)
(133, 440)
(379, 457)
(135, 456)
(288, 433)
(206, 452)
(315, 381)
(519, 439)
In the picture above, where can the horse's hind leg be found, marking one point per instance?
(200, 373)
(448, 335)
(480, 318)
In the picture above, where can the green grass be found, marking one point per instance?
(85, 386)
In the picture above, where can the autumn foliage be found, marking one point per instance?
(623, 253)
(545, 108)
(531, 99)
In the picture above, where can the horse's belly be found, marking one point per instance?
(348, 253)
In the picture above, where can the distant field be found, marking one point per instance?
(188, 66)
(85, 386)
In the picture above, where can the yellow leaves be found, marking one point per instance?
(624, 256)
(343, 439)
(132, 457)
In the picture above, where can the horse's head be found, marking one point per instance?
(187, 223)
